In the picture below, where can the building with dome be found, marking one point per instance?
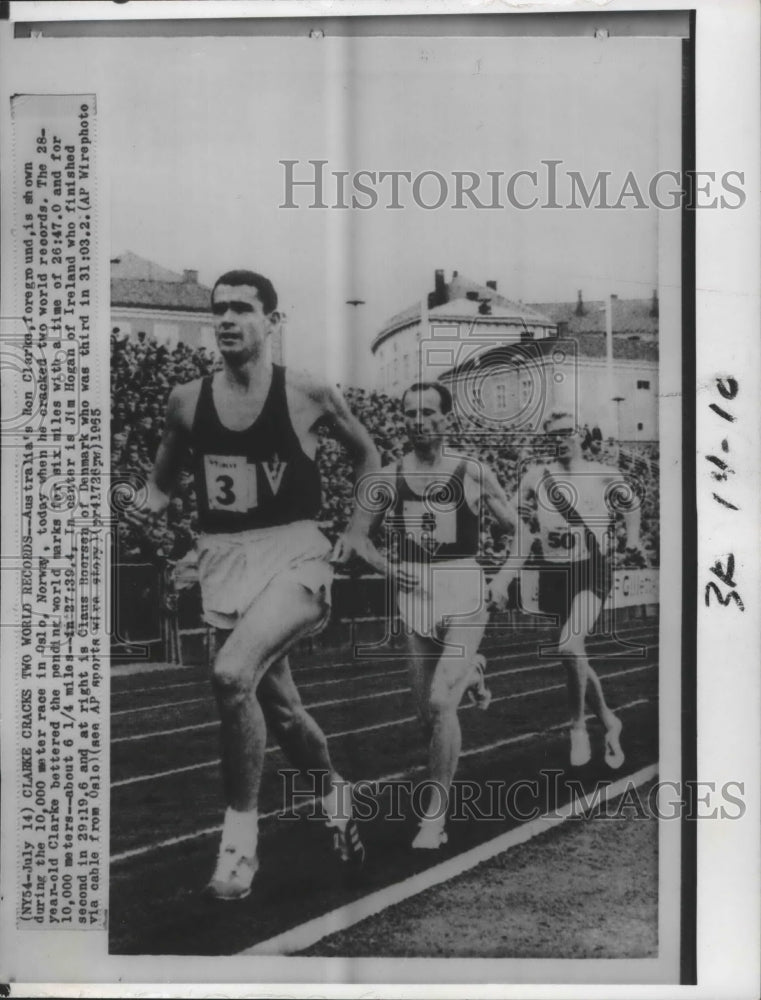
(510, 364)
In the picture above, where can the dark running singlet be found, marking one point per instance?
(436, 524)
(255, 478)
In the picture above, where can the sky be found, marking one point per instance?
(192, 132)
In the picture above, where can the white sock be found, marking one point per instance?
(337, 803)
(241, 829)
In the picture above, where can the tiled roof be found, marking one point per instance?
(630, 316)
(459, 306)
(408, 315)
(592, 345)
(138, 282)
(468, 309)
(532, 314)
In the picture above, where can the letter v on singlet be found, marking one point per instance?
(274, 471)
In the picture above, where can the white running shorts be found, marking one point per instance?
(452, 593)
(235, 568)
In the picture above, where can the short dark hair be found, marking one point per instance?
(444, 394)
(264, 287)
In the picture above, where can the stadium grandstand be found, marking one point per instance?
(144, 371)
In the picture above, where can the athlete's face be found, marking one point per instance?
(425, 422)
(565, 438)
(240, 322)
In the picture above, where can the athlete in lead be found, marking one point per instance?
(264, 566)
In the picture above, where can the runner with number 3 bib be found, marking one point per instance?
(264, 566)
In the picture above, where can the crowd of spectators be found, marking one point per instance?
(143, 373)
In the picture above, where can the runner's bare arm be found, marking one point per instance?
(348, 431)
(503, 510)
(519, 506)
(376, 493)
(523, 503)
(632, 515)
(171, 450)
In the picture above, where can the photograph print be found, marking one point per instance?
(392, 307)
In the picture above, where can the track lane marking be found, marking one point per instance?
(136, 852)
(332, 701)
(343, 680)
(599, 640)
(351, 732)
(309, 933)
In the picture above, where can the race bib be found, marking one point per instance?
(563, 538)
(429, 528)
(230, 483)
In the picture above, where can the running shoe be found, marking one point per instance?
(233, 875)
(348, 845)
(430, 836)
(614, 755)
(581, 750)
(478, 693)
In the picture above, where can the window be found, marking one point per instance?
(643, 383)
(501, 396)
(640, 427)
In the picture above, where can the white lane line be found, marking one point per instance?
(340, 701)
(133, 669)
(309, 933)
(395, 776)
(164, 704)
(159, 687)
(354, 732)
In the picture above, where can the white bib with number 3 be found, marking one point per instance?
(230, 483)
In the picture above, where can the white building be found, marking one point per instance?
(166, 306)
(509, 365)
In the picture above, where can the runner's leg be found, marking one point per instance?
(583, 681)
(301, 738)
(422, 655)
(583, 613)
(284, 611)
(452, 675)
(438, 680)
